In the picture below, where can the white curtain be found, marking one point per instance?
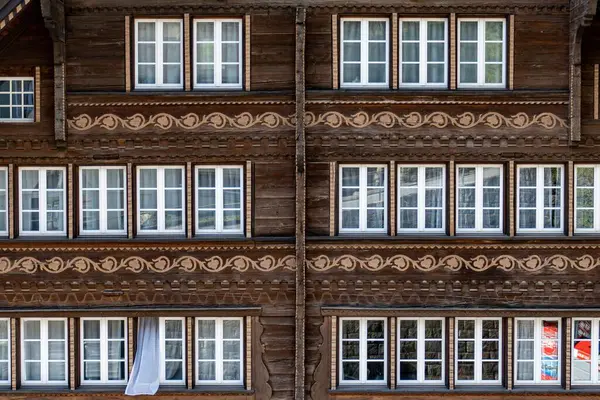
(145, 375)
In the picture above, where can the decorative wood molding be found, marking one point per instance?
(13, 353)
(247, 52)
(320, 386)
(393, 344)
(70, 200)
(18, 8)
(72, 346)
(452, 51)
(189, 195)
(38, 94)
(248, 197)
(333, 376)
(248, 363)
(191, 246)
(509, 353)
(394, 50)
(335, 75)
(130, 344)
(11, 201)
(260, 373)
(596, 90)
(568, 347)
(130, 201)
(332, 197)
(571, 195)
(451, 350)
(187, 59)
(457, 245)
(190, 340)
(184, 103)
(392, 198)
(511, 199)
(127, 53)
(451, 199)
(511, 51)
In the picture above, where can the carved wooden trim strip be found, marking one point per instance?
(127, 53)
(190, 340)
(509, 353)
(71, 350)
(335, 84)
(70, 200)
(247, 52)
(392, 198)
(38, 94)
(333, 353)
(511, 198)
(571, 183)
(130, 344)
(187, 60)
(11, 201)
(451, 353)
(568, 346)
(506, 246)
(248, 363)
(452, 51)
(185, 103)
(13, 353)
(596, 90)
(394, 50)
(248, 197)
(511, 50)
(130, 201)
(180, 246)
(393, 345)
(451, 200)
(13, 13)
(332, 190)
(189, 195)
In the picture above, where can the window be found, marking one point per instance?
(481, 52)
(540, 198)
(537, 351)
(161, 200)
(587, 198)
(423, 52)
(364, 52)
(102, 200)
(103, 351)
(219, 199)
(16, 100)
(3, 201)
(42, 201)
(363, 202)
(363, 353)
(421, 198)
(219, 351)
(585, 351)
(420, 351)
(44, 351)
(172, 351)
(479, 198)
(158, 55)
(478, 350)
(218, 55)
(5, 359)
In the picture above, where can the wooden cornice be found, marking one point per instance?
(11, 11)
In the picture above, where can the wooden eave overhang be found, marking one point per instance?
(10, 11)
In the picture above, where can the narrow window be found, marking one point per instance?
(482, 52)
(479, 198)
(219, 351)
(363, 202)
(102, 200)
(103, 351)
(5, 356)
(363, 352)
(172, 351)
(3, 201)
(161, 199)
(537, 352)
(16, 100)
(364, 53)
(44, 351)
(540, 198)
(478, 350)
(585, 352)
(219, 199)
(158, 54)
(421, 351)
(587, 198)
(421, 198)
(218, 55)
(423, 52)
(42, 201)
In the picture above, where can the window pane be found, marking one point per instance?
(173, 370)
(116, 371)
(173, 199)
(206, 198)
(173, 349)
(148, 178)
(408, 371)
(433, 329)
(527, 198)
(206, 74)
(351, 73)
(206, 177)
(90, 178)
(230, 52)
(491, 197)
(171, 52)
(375, 219)
(410, 30)
(435, 73)
(206, 220)
(91, 329)
(408, 219)
(56, 329)
(206, 329)
(91, 350)
(230, 31)
(585, 177)
(205, 31)
(350, 350)
(171, 74)
(231, 329)
(173, 220)
(410, 52)
(552, 219)
(33, 371)
(493, 52)
(468, 73)
(231, 177)
(468, 30)
(375, 370)
(146, 31)
(231, 371)
(56, 350)
(351, 30)
(350, 329)
(350, 219)
(147, 74)
(171, 31)
(490, 371)
(585, 219)
(491, 219)
(205, 52)
(585, 198)
(493, 30)
(377, 30)
(493, 73)
(435, 52)
(350, 371)
(409, 197)
(173, 329)
(410, 73)
(436, 30)
(206, 350)
(146, 53)
(206, 370)
(433, 219)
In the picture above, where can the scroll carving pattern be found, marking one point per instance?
(332, 119)
(454, 263)
(138, 264)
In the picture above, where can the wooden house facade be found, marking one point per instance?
(309, 200)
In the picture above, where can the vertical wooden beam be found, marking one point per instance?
(130, 344)
(596, 90)
(453, 51)
(393, 345)
(248, 353)
(187, 60)
(451, 353)
(392, 198)
(11, 201)
(511, 56)
(511, 198)
(14, 338)
(247, 53)
(71, 351)
(299, 387)
(189, 321)
(333, 353)
(570, 217)
(335, 84)
(70, 200)
(129, 200)
(509, 353)
(394, 50)
(38, 94)
(332, 189)
(248, 197)
(568, 347)
(451, 200)
(127, 53)
(189, 195)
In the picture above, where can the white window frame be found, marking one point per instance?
(478, 352)
(481, 23)
(363, 351)
(158, 60)
(160, 200)
(22, 93)
(218, 56)
(42, 210)
(421, 190)
(596, 190)
(103, 195)
(594, 356)
(421, 352)
(540, 198)
(479, 198)
(44, 352)
(363, 190)
(423, 57)
(4, 191)
(219, 351)
(219, 207)
(364, 53)
(537, 345)
(8, 352)
(163, 360)
(103, 351)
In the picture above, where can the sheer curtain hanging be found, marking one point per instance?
(145, 375)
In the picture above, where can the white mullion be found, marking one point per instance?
(421, 350)
(480, 52)
(218, 56)
(219, 350)
(104, 350)
(43, 206)
(421, 193)
(158, 48)
(362, 376)
(540, 186)
(219, 199)
(362, 195)
(423, 58)
(103, 198)
(44, 347)
(364, 52)
(596, 208)
(595, 338)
